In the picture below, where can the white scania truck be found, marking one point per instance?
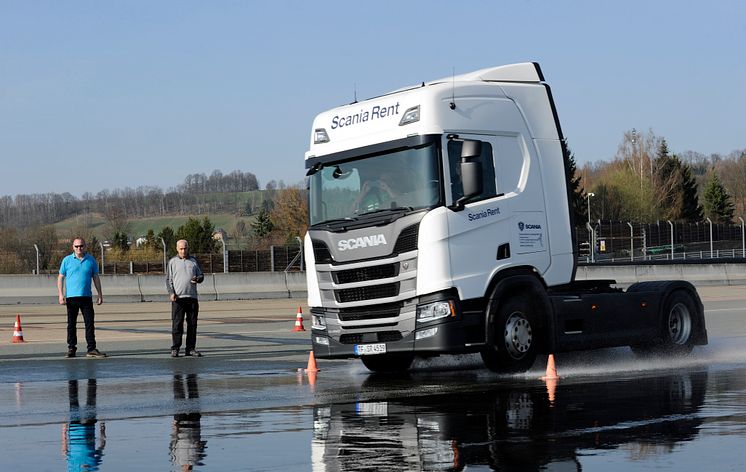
(440, 224)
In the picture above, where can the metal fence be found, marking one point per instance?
(600, 241)
(606, 241)
(274, 259)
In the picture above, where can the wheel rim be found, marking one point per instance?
(518, 335)
(679, 324)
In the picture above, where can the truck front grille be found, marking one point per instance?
(369, 313)
(363, 274)
(367, 293)
(321, 253)
(407, 240)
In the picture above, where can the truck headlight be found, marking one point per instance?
(318, 322)
(425, 333)
(321, 340)
(435, 310)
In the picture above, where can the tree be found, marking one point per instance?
(631, 175)
(45, 238)
(169, 239)
(289, 217)
(150, 240)
(691, 210)
(262, 225)
(199, 235)
(667, 183)
(733, 174)
(619, 196)
(117, 223)
(240, 233)
(577, 193)
(675, 188)
(120, 241)
(718, 204)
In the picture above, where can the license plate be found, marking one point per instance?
(370, 349)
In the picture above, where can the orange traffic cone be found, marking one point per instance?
(551, 390)
(299, 321)
(551, 370)
(17, 331)
(312, 378)
(311, 363)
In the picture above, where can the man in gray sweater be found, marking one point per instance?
(182, 276)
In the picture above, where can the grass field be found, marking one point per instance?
(139, 227)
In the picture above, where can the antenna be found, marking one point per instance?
(354, 88)
(452, 105)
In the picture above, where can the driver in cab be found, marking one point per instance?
(377, 193)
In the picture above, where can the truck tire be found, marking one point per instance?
(514, 337)
(388, 363)
(678, 324)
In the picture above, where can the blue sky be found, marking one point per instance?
(113, 94)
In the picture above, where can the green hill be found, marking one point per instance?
(140, 226)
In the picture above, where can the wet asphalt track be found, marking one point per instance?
(245, 405)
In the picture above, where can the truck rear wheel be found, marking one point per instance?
(677, 329)
(514, 342)
(391, 363)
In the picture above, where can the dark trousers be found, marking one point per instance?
(85, 306)
(184, 308)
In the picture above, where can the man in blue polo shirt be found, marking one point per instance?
(77, 270)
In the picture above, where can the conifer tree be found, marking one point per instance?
(169, 239)
(262, 226)
(718, 205)
(691, 210)
(577, 193)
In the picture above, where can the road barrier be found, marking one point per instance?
(698, 274)
(42, 289)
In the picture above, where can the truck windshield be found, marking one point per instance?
(402, 180)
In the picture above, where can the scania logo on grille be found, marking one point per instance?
(362, 242)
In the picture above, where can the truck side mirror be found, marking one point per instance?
(471, 171)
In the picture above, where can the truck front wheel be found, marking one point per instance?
(678, 324)
(389, 363)
(514, 340)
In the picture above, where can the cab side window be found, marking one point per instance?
(488, 171)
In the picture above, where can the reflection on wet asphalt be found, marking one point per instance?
(79, 445)
(687, 418)
(511, 427)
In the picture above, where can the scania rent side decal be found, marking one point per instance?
(483, 214)
(375, 112)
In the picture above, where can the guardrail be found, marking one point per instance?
(20, 289)
(32, 289)
(662, 253)
(699, 274)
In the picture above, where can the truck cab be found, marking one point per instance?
(431, 209)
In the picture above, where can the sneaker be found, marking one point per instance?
(174, 353)
(70, 352)
(193, 353)
(95, 353)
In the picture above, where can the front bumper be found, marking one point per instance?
(448, 336)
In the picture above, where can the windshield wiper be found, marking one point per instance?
(388, 210)
(334, 222)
